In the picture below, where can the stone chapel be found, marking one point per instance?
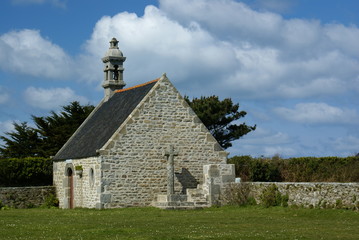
(141, 146)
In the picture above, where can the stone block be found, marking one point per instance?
(215, 189)
(161, 198)
(105, 166)
(217, 180)
(217, 147)
(226, 169)
(177, 198)
(228, 178)
(99, 206)
(213, 171)
(105, 198)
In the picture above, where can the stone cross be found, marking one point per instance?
(170, 153)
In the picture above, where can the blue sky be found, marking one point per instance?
(292, 65)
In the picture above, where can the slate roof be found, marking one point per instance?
(103, 123)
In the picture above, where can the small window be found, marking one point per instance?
(115, 73)
(91, 177)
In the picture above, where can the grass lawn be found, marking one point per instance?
(149, 223)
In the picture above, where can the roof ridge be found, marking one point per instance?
(137, 86)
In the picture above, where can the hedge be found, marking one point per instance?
(32, 171)
(38, 171)
(304, 169)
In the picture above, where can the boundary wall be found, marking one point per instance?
(25, 197)
(304, 194)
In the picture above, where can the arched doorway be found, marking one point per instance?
(70, 187)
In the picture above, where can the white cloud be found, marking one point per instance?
(4, 96)
(265, 142)
(52, 98)
(318, 113)
(154, 44)
(275, 57)
(226, 18)
(206, 47)
(6, 126)
(348, 144)
(345, 38)
(27, 52)
(264, 136)
(282, 151)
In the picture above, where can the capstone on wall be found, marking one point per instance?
(134, 165)
(87, 186)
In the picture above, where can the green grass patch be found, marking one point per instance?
(251, 222)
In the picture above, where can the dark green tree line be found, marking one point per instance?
(49, 135)
(23, 141)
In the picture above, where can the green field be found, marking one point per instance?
(149, 223)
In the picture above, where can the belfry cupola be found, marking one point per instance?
(113, 69)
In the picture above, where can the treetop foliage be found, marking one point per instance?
(22, 142)
(219, 117)
(56, 129)
(49, 135)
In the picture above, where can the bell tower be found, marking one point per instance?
(113, 69)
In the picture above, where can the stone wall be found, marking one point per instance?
(87, 185)
(216, 176)
(25, 197)
(134, 165)
(318, 195)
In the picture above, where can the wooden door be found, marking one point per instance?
(71, 188)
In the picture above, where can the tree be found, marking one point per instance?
(218, 116)
(22, 142)
(49, 135)
(57, 128)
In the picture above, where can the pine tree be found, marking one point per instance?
(218, 116)
(22, 142)
(49, 135)
(56, 129)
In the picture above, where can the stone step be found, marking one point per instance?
(172, 204)
(172, 198)
(194, 200)
(182, 207)
(196, 195)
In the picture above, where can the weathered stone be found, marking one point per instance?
(105, 198)
(25, 197)
(170, 153)
(319, 195)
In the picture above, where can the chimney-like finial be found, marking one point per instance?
(113, 43)
(113, 69)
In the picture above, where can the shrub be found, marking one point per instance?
(78, 168)
(272, 197)
(304, 169)
(25, 172)
(242, 166)
(238, 194)
(51, 201)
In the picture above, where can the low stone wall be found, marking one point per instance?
(310, 195)
(25, 197)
